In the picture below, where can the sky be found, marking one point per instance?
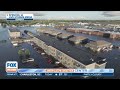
(68, 15)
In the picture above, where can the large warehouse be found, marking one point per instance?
(67, 54)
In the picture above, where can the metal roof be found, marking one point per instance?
(99, 43)
(68, 49)
(64, 35)
(14, 30)
(77, 38)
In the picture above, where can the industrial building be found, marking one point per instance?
(14, 33)
(98, 45)
(112, 35)
(78, 40)
(67, 54)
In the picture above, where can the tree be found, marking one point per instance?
(27, 53)
(20, 53)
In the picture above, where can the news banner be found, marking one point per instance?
(12, 70)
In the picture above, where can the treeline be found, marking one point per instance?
(18, 23)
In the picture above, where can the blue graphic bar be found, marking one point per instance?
(28, 19)
(31, 71)
(11, 19)
(65, 70)
(65, 74)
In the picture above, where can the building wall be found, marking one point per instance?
(100, 66)
(67, 60)
(14, 34)
(78, 64)
(61, 57)
(100, 33)
(46, 48)
(41, 44)
(115, 36)
(52, 51)
(91, 66)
